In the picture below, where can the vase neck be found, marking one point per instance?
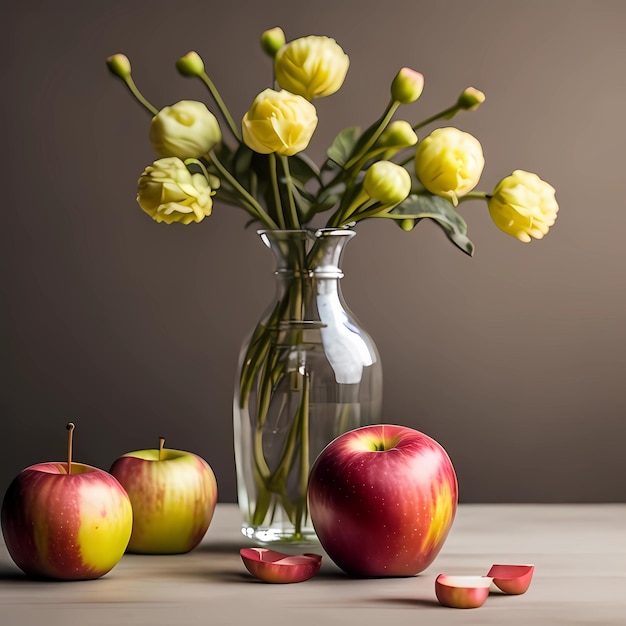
(307, 253)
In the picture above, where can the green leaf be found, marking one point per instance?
(242, 160)
(327, 203)
(302, 168)
(303, 203)
(343, 145)
(425, 205)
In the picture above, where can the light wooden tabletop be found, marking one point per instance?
(579, 553)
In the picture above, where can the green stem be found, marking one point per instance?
(257, 210)
(295, 220)
(358, 212)
(384, 121)
(372, 208)
(204, 77)
(264, 371)
(276, 190)
(446, 113)
(257, 352)
(361, 155)
(475, 195)
(351, 200)
(130, 83)
(304, 456)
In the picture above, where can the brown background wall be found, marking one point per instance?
(514, 360)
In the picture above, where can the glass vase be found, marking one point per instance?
(307, 373)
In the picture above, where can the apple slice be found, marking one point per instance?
(462, 592)
(276, 567)
(513, 579)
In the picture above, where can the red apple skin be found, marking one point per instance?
(276, 567)
(67, 527)
(382, 512)
(512, 579)
(462, 597)
(173, 499)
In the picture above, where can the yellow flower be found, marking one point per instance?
(185, 130)
(523, 206)
(312, 66)
(387, 182)
(449, 162)
(279, 121)
(168, 192)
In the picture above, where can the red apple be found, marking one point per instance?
(173, 494)
(66, 526)
(382, 500)
(276, 567)
(462, 592)
(512, 579)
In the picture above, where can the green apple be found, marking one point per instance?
(173, 494)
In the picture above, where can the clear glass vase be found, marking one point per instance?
(307, 373)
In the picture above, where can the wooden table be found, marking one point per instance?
(579, 552)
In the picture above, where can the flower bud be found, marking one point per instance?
(272, 41)
(279, 121)
(408, 224)
(168, 192)
(190, 65)
(312, 66)
(387, 182)
(119, 65)
(449, 162)
(399, 134)
(407, 86)
(523, 206)
(470, 99)
(185, 130)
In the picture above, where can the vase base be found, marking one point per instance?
(269, 534)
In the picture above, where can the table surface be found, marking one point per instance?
(579, 553)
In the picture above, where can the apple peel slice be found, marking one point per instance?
(275, 567)
(512, 579)
(462, 592)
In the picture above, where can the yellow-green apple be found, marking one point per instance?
(382, 499)
(67, 521)
(462, 592)
(173, 494)
(275, 567)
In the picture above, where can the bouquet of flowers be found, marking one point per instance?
(382, 171)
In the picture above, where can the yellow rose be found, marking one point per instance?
(449, 163)
(387, 182)
(523, 206)
(168, 192)
(312, 66)
(279, 121)
(185, 130)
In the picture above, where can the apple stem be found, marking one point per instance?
(70, 438)
(161, 444)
